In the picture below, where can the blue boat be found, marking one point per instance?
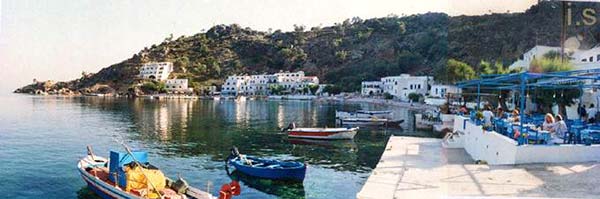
(265, 168)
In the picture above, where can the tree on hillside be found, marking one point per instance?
(545, 65)
(457, 71)
(313, 88)
(332, 89)
(276, 89)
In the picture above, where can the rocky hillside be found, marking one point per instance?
(344, 54)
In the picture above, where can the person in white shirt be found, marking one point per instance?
(559, 130)
(591, 112)
(488, 115)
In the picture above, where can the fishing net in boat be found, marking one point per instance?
(136, 180)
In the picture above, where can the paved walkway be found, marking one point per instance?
(420, 168)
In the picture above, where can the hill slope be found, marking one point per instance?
(344, 54)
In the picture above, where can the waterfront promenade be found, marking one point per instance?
(413, 167)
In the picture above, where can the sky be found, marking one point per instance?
(59, 39)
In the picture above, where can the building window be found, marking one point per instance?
(591, 58)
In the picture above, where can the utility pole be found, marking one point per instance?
(563, 29)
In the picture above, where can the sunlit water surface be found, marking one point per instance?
(42, 138)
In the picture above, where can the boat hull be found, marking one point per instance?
(107, 190)
(364, 114)
(326, 135)
(104, 190)
(296, 174)
(364, 121)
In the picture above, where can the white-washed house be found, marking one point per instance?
(156, 70)
(536, 52)
(440, 90)
(371, 88)
(177, 86)
(235, 85)
(401, 86)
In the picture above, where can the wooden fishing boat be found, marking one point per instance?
(364, 121)
(267, 168)
(323, 133)
(363, 114)
(133, 177)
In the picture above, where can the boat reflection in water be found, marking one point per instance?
(324, 143)
(279, 188)
(86, 193)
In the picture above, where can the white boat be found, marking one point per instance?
(363, 114)
(446, 124)
(129, 178)
(364, 121)
(323, 133)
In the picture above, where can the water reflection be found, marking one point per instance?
(186, 130)
(281, 189)
(86, 193)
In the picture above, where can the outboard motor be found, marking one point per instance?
(289, 127)
(234, 153)
(180, 186)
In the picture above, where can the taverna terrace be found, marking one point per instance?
(522, 142)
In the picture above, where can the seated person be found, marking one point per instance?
(500, 113)
(463, 110)
(515, 116)
(548, 122)
(559, 130)
(591, 112)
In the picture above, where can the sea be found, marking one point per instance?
(43, 137)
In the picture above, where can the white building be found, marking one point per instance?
(156, 70)
(291, 82)
(371, 88)
(259, 84)
(440, 90)
(581, 59)
(235, 85)
(536, 52)
(401, 86)
(586, 59)
(177, 86)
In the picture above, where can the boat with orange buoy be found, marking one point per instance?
(129, 175)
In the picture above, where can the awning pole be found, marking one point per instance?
(478, 94)
(522, 104)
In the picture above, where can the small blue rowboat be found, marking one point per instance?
(265, 168)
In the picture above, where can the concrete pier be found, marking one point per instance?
(421, 168)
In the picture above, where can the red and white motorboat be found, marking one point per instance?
(323, 133)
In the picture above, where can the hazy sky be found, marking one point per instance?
(59, 39)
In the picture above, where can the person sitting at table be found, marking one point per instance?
(591, 112)
(515, 116)
(548, 122)
(500, 113)
(488, 115)
(559, 130)
(463, 109)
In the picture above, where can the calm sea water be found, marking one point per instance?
(42, 138)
